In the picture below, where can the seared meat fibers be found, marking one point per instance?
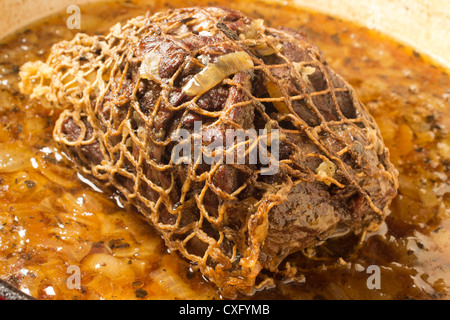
(128, 95)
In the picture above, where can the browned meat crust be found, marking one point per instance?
(229, 219)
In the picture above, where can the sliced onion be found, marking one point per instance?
(14, 158)
(150, 66)
(173, 284)
(109, 266)
(325, 173)
(58, 174)
(214, 73)
(326, 168)
(256, 27)
(274, 93)
(304, 71)
(265, 50)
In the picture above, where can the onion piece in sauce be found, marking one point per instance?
(274, 93)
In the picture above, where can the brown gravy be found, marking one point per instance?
(53, 222)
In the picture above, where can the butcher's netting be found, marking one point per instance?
(122, 105)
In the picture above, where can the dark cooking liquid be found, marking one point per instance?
(52, 221)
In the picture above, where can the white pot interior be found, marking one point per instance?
(421, 24)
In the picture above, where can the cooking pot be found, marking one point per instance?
(421, 24)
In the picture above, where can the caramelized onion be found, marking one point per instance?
(108, 265)
(173, 284)
(150, 67)
(304, 71)
(325, 173)
(275, 93)
(256, 27)
(265, 50)
(214, 73)
(14, 158)
(326, 170)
